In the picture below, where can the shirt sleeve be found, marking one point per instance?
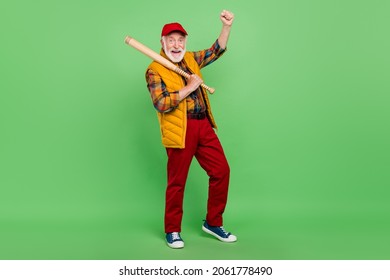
(163, 100)
(208, 56)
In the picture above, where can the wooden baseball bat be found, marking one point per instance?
(160, 59)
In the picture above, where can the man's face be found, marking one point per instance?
(174, 45)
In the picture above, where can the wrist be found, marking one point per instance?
(184, 92)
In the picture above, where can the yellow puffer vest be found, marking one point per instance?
(173, 125)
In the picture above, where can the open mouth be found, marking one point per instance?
(176, 53)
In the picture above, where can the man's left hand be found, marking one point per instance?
(227, 18)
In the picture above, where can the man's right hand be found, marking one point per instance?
(193, 82)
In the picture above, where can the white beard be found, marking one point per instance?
(169, 54)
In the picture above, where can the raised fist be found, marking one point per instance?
(227, 17)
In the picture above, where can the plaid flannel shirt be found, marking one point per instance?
(165, 101)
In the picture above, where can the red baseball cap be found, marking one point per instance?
(171, 27)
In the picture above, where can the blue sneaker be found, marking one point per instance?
(219, 232)
(174, 240)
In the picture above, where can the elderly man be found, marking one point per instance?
(186, 123)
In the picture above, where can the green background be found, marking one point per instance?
(302, 105)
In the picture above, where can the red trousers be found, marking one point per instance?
(203, 143)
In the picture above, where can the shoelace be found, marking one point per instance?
(224, 231)
(175, 236)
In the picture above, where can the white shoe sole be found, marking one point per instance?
(231, 238)
(176, 245)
